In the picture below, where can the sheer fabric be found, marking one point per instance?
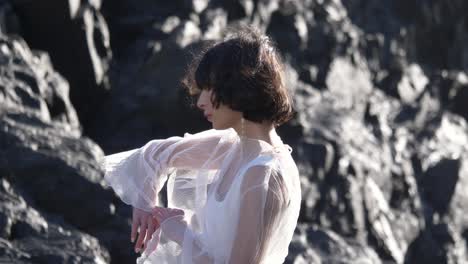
(241, 197)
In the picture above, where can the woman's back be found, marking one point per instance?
(224, 208)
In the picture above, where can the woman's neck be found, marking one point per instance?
(262, 131)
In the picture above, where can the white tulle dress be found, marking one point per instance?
(241, 196)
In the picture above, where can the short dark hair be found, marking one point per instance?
(246, 73)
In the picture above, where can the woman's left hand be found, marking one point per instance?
(174, 229)
(162, 213)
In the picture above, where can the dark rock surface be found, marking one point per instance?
(27, 236)
(312, 244)
(147, 101)
(75, 35)
(380, 135)
(45, 157)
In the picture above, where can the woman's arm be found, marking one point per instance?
(138, 175)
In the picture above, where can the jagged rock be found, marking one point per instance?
(443, 156)
(407, 84)
(357, 144)
(130, 21)
(356, 77)
(75, 35)
(151, 94)
(30, 237)
(401, 33)
(317, 245)
(46, 160)
(29, 84)
(60, 172)
(438, 183)
(40, 132)
(288, 27)
(451, 87)
(43, 152)
(383, 164)
(213, 22)
(363, 184)
(437, 244)
(9, 23)
(447, 32)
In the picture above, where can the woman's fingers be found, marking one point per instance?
(135, 224)
(157, 213)
(155, 222)
(149, 232)
(141, 234)
(179, 212)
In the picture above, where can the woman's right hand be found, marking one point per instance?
(143, 225)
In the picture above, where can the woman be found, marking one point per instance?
(233, 191)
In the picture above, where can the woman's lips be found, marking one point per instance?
(208, 117)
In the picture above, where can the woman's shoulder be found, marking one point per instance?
(206, 132)
(261, 169)
(280, 169)
(276, 160)
(210, 133)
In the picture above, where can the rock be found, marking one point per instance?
(451, 87)
(448, 34)
(130, 21)
(185, 34)
(9, 21)
(74, 33)
(412, 84)
(349, 82)
(354, 144)
(156, 99)
(355, 183)
(386, 228)
(320, 160)
(439, 244)
(43, 159)
(300, 251)
(444, 164)
(30, 84)
(380, 148)
(43, 153)
(439, 182)
(403, 28)
(324, 246)
(40, 131)
(288, 29)
(31, 237)
(213, 22)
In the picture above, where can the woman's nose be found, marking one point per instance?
(200, 103)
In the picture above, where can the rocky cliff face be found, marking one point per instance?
(380, 135)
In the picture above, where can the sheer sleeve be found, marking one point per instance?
(262, 199)
(138, 175)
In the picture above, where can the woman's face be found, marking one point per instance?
(222, 117)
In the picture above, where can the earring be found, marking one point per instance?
(242, 127)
